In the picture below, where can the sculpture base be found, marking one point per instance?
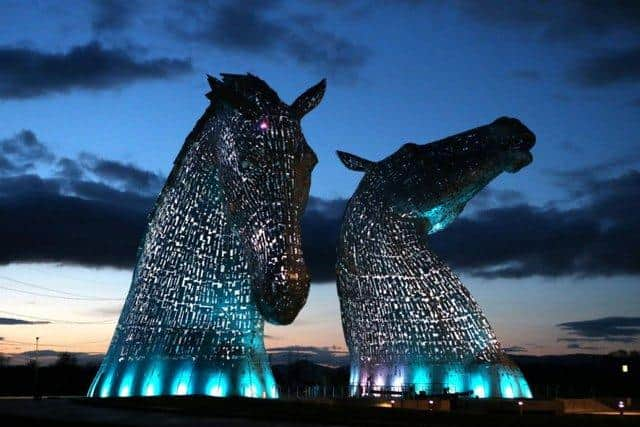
(480, 380)
(166, 377)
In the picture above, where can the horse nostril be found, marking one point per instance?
(282, 293)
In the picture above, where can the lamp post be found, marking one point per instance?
(627, 387)
(36, 386)
(520, 406)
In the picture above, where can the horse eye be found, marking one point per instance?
(263, 125)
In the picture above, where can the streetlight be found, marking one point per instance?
(520, 406)
(36, 388)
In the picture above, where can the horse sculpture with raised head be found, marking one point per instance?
(221, 253)
(409, 322)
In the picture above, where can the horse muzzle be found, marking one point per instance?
(282, 293)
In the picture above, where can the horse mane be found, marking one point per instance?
(250, 87)
(245, 85)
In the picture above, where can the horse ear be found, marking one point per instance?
(355, 163)
(223, 93)
(309, 99)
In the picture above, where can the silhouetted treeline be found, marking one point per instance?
(64, 378)
(582, 375)
(548, 376)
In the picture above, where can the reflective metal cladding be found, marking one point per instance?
(409, 322)
(221, 254)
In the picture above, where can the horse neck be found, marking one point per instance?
(373, 241)
(383, 258)
(190, 243)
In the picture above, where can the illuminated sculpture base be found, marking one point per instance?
(178, 378)
(481, 380)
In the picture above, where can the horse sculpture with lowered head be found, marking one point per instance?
(409, 322)
(221, 253)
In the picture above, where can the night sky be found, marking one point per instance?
(96, 99)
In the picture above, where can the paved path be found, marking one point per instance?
(68, 411)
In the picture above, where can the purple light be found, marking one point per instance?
(264, 124)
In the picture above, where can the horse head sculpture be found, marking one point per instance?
(408, 320)
(221, 254)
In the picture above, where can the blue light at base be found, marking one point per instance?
(480, 385)
(271, 388)
(397, 383)
(92, 387)
(105, 388)
(508, 386)
(250, 384)
(181, 384)
(152, 382)
(525, 391)
(454, 381)
(421, 380)
(126, 384)
(217, 385)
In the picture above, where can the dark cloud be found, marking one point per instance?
(330, 356)
(576, 178)
(95, 224)
(69, 169)
(46, 226)
(558, 21)
(23, 186)
(7, 321)
(490, 197)
(507, 238)
(28, 73)
(22, 152)
(129, 176)
(608, 68)
(73, 218)
(104, 193)
(269, 30)
(578, 346)
(597, 238)
(515, 349)
(25, 146)
(606, 329)
(113, 15)
(7, 167)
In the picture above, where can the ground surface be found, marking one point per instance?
(159, 412)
